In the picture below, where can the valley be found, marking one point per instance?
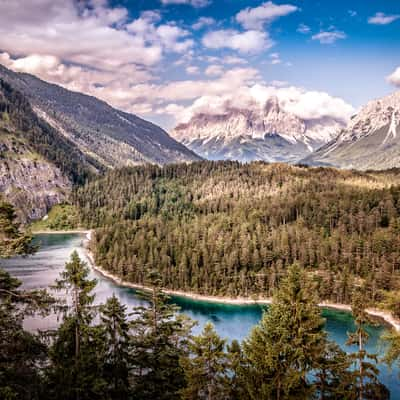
(199, 201)
(232, 321)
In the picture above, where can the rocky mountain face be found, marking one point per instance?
(29, 180)
(109, 136)
(370, 141)
(269, 134)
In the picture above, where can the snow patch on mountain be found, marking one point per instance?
(267, 129)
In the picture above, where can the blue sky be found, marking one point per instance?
(166, 60)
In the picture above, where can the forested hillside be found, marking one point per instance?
(223, 228)
(38, 166)
(18, 118)
(99, 352)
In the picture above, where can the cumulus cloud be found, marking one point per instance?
(93, 35)
(275, 58)
(307, 105)
(394, 77)
(255, 18)
(194, 3)
(244, 42)
(304, 29)
(92, 47)
(381, 18)
(169, 36)
(214, 70)
(234, 60)
(73, 77)
(329, 37)
(192, 70)
(203, 22)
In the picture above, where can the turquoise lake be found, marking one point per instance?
(231, 321)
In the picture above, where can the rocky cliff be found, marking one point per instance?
(370, 141)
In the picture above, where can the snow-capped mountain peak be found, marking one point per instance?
(370, 141)
(267, 132)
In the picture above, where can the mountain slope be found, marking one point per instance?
(36, 169)
(110, 136)
(370, 141)
(269, 134)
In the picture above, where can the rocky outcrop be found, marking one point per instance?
(32, 184)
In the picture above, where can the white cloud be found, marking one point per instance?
(381, 18)
(304, 29)
(169, 36)
(202, 22)
(79, 78)
(244, 42)
(194, 3)
(307, 105)
(275, 58)
(214, 70)
(277, 83)
(394, 77)
(255, 18)
(160, 95)
(234, 60)
(192, 70)
(352, 13)
(92, 36)
(329, 37)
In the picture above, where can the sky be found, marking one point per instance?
(168, 60)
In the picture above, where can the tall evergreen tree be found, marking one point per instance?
(333, 377)
(116, 357)
(366, 373)
(285, 346)
(392, 355)
(22, 354)
(206, 367)
(236, 372)
(159, 336)
(76, 368)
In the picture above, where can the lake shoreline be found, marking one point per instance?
(59, 232)
(381, 315)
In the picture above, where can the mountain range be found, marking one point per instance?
(268, 133)
(370, 141)
(52, 138)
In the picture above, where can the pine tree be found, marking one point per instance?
(206, 367)
(366, 372)
(159, 337)
(392, 340)
(12, 240)
(76, 365)
(116, 356)
(236, 372)
(22, 354)
(284, 347)
(333, 376)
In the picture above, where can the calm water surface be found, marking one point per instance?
(231, 321)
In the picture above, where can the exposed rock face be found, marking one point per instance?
(28, 181)
(370, 141)
(269, 134)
